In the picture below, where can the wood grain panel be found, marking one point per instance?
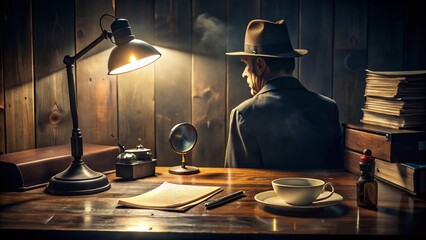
(209, 81)
(53, 39)
(288, 10)
(96, 91)
(240, 12)
(385, 35)
(136, 89)
(172, 74)
(2, 126)
(350, 58)
(316, 35)
(414, 35)
(19, 85)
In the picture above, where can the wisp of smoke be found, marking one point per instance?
(212, 32)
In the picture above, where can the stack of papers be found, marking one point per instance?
(171, 197)
(395, 99)
(406, 85)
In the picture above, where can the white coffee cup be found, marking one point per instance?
(301, 191)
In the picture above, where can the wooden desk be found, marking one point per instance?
(42, 216)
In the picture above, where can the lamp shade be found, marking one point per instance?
(129, 53)
(130, 56)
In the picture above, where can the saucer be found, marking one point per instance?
(270, 199)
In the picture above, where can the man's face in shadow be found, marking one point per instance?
(253, 73)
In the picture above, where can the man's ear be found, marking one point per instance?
(260, 66)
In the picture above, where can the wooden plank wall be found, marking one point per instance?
(316, 35)
(136, 115)
(96, 90)
(53, 39)
(349, 57)
(209, 80)
(172, 73)
(18, 76)
(194, 81)
(2, 126)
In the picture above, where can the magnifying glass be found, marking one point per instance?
(183, 138)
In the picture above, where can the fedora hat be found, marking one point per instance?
(268, 39)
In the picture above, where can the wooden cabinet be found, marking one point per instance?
(388, 144)
(400, 154)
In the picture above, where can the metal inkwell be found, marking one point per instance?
(135, 163)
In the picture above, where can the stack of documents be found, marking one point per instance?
(395, 99)
(171, 197)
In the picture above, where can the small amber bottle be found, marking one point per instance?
(367, 189)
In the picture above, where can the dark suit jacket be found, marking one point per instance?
(285, 126)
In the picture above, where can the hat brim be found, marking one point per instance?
(292, 54)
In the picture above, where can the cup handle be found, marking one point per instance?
(329, 184)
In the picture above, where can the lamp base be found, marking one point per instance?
(186, 170)
(77, 179)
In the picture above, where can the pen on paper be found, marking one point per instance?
(225, 199)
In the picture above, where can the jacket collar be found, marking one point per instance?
(281, 83)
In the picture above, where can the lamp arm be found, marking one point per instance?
(76, 137)
(71, 60)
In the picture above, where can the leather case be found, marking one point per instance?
(21, 171)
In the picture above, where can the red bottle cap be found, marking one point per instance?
(367, 156)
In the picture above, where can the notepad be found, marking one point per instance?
(171, 197)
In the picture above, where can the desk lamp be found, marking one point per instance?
(129, 54)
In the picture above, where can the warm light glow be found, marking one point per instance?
(135, 64)
(129, 56)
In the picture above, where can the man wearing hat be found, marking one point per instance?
(284, 125)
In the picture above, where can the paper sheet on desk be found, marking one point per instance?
(171, 197)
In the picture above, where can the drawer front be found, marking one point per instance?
(393, 147)
(394, 173)
(358, 141)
